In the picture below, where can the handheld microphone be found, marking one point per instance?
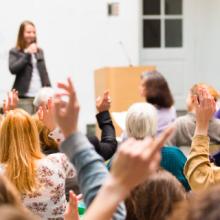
(128, 58)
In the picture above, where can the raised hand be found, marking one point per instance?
(205, 107)
(66, 115)
(32, 48)
(71, 212)
(46, 115)
(11, 101)
(103, 103)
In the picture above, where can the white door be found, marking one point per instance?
(167, 41)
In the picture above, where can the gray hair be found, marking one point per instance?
(141, 120)
(43, 95)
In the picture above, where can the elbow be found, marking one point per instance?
(13, 70)
(198, 180)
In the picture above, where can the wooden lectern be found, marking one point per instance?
(123, 85)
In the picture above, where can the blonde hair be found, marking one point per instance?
(141, 120)
(19, 148)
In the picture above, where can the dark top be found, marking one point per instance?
(105, 147)
(20, 64)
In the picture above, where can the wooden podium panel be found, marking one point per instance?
(123, 84)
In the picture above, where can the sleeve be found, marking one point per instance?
(40, 59)
(91, 170)
(108, 144)
(199, 171)
(17, 61)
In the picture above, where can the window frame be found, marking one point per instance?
(162, 17)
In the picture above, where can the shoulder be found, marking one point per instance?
(14, 50)
(40, 50)
(173, 151)
(173, 110)
(188, 118)
(214, 123)
(166, 114)
(57, 157)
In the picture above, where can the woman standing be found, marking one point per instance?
(26, 61)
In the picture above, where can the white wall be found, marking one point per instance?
(198, 60)
(77, 37)
(208, 42)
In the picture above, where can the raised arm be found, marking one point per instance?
(107, 146)
(198, 169)
(89, 165)
(132, 165)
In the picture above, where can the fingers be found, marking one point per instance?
(206, 100)
(72, 207)
(106, 94)
(50, 104)
(5, 109)
(98, 99)
(73, 201)
(67, 87)
(79, 197)
(195, 100)
(57, 104)
(160, 141)
(70, 85)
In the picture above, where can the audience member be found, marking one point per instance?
(156, 91)
(143, 157)
(107, 146)
(185, 125)
(39, 179)
(200, 172)
(141, 121)
(202, 205)
(156, 197)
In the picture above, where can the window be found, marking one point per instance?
(162, 23)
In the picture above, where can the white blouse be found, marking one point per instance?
(49, 200)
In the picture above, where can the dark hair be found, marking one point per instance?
(155, 198)
(21, 44)
(158, 91)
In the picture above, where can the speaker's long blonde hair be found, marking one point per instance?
(19, 149)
